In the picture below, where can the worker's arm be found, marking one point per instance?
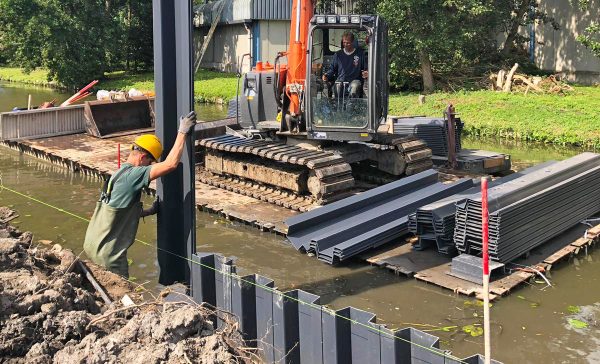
(170, 163)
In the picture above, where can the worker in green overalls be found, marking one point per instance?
(114, 224)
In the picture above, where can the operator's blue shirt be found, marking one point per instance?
(347, 67)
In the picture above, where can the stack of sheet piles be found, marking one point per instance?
(431, 130)
(531, 209)
(434, 223)
(340, 230)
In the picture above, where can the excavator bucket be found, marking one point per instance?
(111, 118)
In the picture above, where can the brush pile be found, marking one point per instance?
(520, 83)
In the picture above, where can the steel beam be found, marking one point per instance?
(173, 79)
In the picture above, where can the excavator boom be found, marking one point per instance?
(302, 12)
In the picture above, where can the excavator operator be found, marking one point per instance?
(349, 67)
(114, 224)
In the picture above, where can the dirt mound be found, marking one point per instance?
(171, 333)
(49, 313)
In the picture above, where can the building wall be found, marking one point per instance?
(558, 50)
(274, 37)
(233, 11)
(231, 41)
(228, 44)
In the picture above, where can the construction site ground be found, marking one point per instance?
(98, 157)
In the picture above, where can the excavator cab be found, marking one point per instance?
(344, 109)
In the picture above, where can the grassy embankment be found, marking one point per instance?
(209, 86)
(572, 119)
(37, 77)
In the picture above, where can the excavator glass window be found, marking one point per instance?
(338, 79)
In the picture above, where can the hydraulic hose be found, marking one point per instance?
(237, 92)
(276, 83)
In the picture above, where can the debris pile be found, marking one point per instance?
(49, 313)
(513, 82)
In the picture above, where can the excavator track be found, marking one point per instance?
(318, 175)
(415, 152)
(295, 177)
(259, 191)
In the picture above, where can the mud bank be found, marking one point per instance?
(50, 313)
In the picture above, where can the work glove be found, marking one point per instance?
(152, 210)
(186, 123)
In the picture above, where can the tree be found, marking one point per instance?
(442, 35)
(591, 38)
(66, 37)
(77, 40)
(131, 32)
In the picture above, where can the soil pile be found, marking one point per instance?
(49, 313)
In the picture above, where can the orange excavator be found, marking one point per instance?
(306, 139)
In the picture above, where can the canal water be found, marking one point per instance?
(16, 95)
(529, 326)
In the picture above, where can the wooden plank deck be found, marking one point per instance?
(432, 267)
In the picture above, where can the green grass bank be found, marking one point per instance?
(37, 77)
(572, 119)
(209, 86)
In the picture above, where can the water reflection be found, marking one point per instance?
(523, 155)
(16, 95)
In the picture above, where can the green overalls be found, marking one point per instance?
(112, 230)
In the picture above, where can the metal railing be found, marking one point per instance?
(40, 123)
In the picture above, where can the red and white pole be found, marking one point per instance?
(119, 155)
(486, 270)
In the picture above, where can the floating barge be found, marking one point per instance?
(60, 137)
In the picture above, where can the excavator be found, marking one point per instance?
(305, 137)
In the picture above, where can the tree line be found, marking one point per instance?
(80, 40)
(431, 39)
(76, 40)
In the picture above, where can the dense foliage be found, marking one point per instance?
(76, 40)
(433, 38)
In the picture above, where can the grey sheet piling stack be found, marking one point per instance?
(348, 227)
(434, 223)
(531, 209)
(431, 130)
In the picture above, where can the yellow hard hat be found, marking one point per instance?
(149, 143)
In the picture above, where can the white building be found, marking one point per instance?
(257, 27)
(558, 50)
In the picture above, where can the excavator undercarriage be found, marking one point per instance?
(302, 176)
